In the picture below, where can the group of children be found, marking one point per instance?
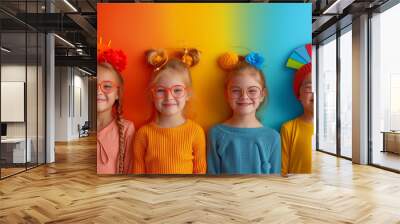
(174, 144)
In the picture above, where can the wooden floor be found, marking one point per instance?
(387, 159)
(69, 191)
(5, 172)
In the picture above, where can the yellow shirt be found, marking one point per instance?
(177, 150)
(296, 137)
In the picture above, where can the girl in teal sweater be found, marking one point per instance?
(242, 145)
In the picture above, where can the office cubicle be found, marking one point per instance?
(22, 78)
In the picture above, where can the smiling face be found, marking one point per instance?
(107, 89)
(245, 92)
(306, 96)
(170, 93)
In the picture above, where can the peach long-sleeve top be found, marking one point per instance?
(177, 150)
(108, 148)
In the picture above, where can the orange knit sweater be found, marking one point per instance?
(177, 150)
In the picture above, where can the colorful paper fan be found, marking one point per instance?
(299, 57)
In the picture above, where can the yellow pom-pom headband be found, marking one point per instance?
(230, 60)
(191, 56)
(159, 57)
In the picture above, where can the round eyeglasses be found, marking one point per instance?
(107, 86)
(160, 92)
(253, 92)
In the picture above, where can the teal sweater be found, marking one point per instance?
(233, 150)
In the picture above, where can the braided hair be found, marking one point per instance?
(119, 118)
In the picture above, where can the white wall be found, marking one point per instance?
(70, 83)
(61, 103)
(80, 102)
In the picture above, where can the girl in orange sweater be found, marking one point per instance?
(171, 144)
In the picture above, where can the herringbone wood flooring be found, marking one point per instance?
(69, 191)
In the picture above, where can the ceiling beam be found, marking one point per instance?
(81, 61)
(84, 24)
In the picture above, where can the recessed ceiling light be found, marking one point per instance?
(5, 50)
(70, 5)
(333, 8)
(84, 71)
(64, 40)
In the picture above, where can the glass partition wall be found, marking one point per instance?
(22, 77)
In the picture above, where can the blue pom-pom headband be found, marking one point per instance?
(255, 59)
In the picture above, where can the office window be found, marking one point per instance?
(327, 96)
(346, 93)
(385, 89)
(314, 89)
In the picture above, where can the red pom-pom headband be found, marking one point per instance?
(116, 58)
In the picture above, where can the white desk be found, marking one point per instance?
(17, 147)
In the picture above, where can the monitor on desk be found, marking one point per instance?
(3, 130)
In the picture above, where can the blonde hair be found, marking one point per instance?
(177, 67)
(118, 109)
(241, 68)
(236, 65)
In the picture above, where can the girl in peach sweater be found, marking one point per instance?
(115, 134)
(171, 144)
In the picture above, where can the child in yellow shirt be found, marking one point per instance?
(296, 134)
(171, 144)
